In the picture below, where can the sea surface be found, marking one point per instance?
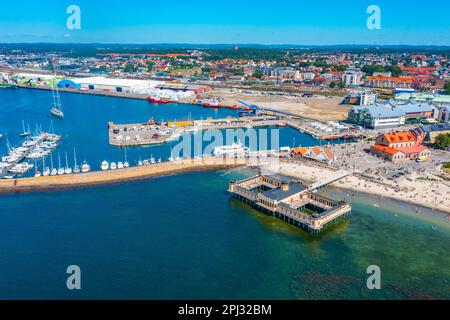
(182, 237)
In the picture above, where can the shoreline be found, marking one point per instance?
(311, 173)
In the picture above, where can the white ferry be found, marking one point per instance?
(236, 150)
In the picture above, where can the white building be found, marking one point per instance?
(352, 78)
(367, 98)
(115, 85)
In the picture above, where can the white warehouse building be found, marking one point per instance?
(112, 85)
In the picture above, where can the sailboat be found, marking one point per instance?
(25, 133)
(37, 173)
(53, 170)
(76, 168)
(56, 110)
(126, 164)
(67, 169)
(45, 170)
(60, 170)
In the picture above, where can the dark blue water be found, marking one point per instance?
(182, 237)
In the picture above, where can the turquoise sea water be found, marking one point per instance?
(182, 237)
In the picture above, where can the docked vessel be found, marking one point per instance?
(105, 165)
(113, 166)
(236, 150)
(85, 168)
(157, 100)
(213, 104)
(25, 133)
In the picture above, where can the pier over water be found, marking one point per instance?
(290, 201)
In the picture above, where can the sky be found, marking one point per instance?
(298, 22)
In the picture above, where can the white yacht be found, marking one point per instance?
(119, 165)
(67, 169)
(113, 166)
(85, 167)
(105, 165)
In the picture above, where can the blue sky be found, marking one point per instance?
(232, 21)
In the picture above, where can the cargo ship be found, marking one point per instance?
(157, 100)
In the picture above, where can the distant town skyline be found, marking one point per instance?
(256, 22)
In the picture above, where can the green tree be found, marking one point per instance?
(258, 74)
(442, 141)
(150, 66)
(332, 84)
(447, 87)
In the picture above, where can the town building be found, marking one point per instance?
(401, 146)
(432, 131)
(389, 82)
(391, 114)
(352, 78)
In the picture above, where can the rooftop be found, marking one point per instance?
(280, 194)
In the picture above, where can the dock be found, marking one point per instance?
(152, 133)
(119, 175)
(289, 200)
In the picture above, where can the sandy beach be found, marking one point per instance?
(431, 194)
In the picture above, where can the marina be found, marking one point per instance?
(116, 175)
(37, 147)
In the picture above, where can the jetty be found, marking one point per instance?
(289, 200)
(119, 175)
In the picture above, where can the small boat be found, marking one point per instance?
(119, 165)
(60, 170)
(67, 169)
(1, 135)
(157, 100)
(113, 166)
(37, 174)
(54, 172)
(126, 164)
(25, 133)
(85, 167)
(57, 113)
(46, 172)
(140, 163)
(56, 110)
(76, 168)
(105, 165)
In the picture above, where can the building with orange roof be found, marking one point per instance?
(321, 154)
(401, 146)
(390, 82)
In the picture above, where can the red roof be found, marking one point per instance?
(413, 149)
(399, 137)
(385, 149)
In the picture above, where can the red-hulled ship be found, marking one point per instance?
(157, 100)
(213, 104)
